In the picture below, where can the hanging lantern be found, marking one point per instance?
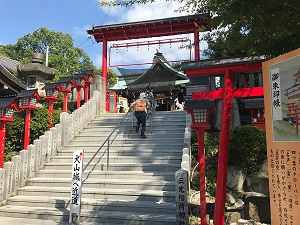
(52, 91)
(28, 99)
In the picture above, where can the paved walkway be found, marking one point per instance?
(23, 221)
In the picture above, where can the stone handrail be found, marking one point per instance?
(182, 177)
(14, 174)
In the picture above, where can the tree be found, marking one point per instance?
(63, 55)
(244, 27)
(112, 76)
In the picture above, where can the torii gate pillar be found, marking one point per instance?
(104, 72)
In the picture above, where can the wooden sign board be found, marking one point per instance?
(281, 77)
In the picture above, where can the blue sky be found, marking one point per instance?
(74, 17)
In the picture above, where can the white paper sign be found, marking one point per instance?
(275, 94)
(76, 181)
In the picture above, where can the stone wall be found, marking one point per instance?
(14, 174)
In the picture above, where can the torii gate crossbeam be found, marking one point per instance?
(148, 29)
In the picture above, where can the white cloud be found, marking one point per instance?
(81, 31)
(156, 10)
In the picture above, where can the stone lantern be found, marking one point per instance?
(36, 73)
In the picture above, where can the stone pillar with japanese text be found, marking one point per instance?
(181, 186)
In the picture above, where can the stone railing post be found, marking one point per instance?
(53, 130)
(8, 167)
(38, 154)
(48, 135)
(64, 117)
(59, 136)
(24, 166)
(181, 190)
(31, 160)
(2, 181)
(43, 139)
(16, 172)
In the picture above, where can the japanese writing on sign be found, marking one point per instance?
(275, 94)
(181, 197)
(284, 183)
(76, 181)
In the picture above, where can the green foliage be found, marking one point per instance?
(63, 55)
(246, 27)
(112, 76)
(247, 151)
(39, 123)
(247, 148)
(56, 116)
(15, 130)
(15, 134)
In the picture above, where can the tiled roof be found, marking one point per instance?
(10, 64)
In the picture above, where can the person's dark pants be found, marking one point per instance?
(141, 119)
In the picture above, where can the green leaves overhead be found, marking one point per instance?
(63, 55)
(268, 27)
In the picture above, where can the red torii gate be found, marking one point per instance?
(148, 29)
(218, 67)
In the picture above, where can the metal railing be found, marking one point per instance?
(107, 140)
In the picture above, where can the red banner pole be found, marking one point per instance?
(27, 128)
(104, 72)
(219, 208)
(65, 103)
(78, 97)
(86, 93)
(50, 113)
(201, 159)
(2, 142)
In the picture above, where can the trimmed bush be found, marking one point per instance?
(247, 148)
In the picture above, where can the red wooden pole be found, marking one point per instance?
(104, 71)
(219, 208)
(2, 142)
(27, 128)
(50, 113)
(65, 103)
(196, 43)
(78, 97)
(201, 159)
(86, 93)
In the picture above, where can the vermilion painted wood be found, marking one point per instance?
(219, 207)
(236, 93)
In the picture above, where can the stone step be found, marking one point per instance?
(90, 151)
(138, 189)
(138, 175)
(139, 145)
(97, 193)
(105, 184)
(109, 217)
(146, 167)
(123, 159)
(90, 204)
(121, 140)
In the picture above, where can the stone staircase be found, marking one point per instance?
(138, 187)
